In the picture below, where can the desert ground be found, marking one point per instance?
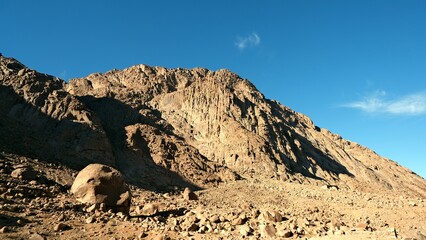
(43, 208)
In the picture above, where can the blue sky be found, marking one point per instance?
(357, 68)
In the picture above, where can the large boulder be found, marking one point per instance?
(98, 183)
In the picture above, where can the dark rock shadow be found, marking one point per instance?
(134, 163)
(6, 220)
(175, 212)
(309, 158)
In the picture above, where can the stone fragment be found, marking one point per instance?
(61, 217)
(188, 194)
(214, 219)
(36, 236)
(150, 209)
(266, 216)
(90, 220)
(4, 229)
(288, 234)
(277, 216)
(362, 226)
(245, 230)
(60, 227)
(267, 231)
(92, 208)
(24, 173)
(237, 221)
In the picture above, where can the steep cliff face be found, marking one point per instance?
(165, 127)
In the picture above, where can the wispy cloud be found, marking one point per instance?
(251, 40)
(63, 74)
(413, 104)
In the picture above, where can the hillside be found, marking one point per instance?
(213, 131)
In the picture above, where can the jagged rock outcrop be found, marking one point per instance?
(161, 127)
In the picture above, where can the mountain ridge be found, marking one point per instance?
(204, 126)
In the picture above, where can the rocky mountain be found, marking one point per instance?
(164, 128)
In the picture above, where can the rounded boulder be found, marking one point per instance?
(98, 183)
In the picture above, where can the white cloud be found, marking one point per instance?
(63, 74)
(413, 104)
(251, 40)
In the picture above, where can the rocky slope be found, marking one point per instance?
(179, 127)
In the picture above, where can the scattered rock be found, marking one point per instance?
(277, 216)
(266, 216)
(214, 218)
(238, 221)
(420, 236)
(91, 208)
(188, 194)
(61, 217)
(36, 236)
(24, 173)
(60, 227)
(99, 183)
(287, 234)
(4, 229)
(150, 209)
(142, 235)
(245, 230)
(362, 226)
(90, 220)
(267, 231)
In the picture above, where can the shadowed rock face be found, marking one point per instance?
(164, 127)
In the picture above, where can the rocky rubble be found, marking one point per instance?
(44, 209)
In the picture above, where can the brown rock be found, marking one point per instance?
(151, 209)
(288, 234)
(60, 227)
(24, 173)
(245, 230)
(277, 216)
(266, 216)
(268, 231)
(214, 218)
(362, 226)
(98, 184)
(92, 208)
(61, 217)
(4, 229)
(90, 220)
(188, 194)
(237, 221)
(36, 236)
